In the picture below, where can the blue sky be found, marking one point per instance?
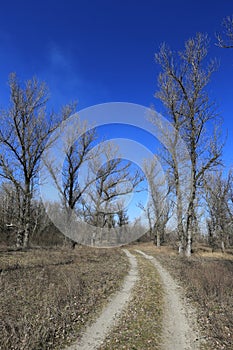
(103, 51)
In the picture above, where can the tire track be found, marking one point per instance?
(180, 330)
(95, 334)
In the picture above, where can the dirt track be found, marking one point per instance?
(180, 329)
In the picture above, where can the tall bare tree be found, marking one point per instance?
(182, 89)
(24, 133)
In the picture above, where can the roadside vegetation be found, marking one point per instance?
(46, 296)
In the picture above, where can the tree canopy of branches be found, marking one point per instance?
(225, 40)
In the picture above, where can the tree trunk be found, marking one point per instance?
(181, 247)
(179, 211)
(19, 238)
(27, 214)
(158, 240)
(223, 246)
(189, 243)
(26, 235)
(180, 238)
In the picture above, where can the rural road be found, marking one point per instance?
(179, 331)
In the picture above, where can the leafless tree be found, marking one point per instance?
(225, 40)
(182, 89)
(9, 204)
(77, 152)
(9, 211)
(218, 196)
(122, 217)
(159, 208)
(114, 178)
(24, 133)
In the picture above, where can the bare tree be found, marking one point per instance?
(122, 217)
(24, 133)
(218, 196)
(114, 178)
(225, 40)
(182, 90)
(9, 211)
(77, 153)
(159, 208)
(10, 205)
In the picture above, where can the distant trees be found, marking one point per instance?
(113, 178)
(159, 208)
(218, 191)
(182, 90)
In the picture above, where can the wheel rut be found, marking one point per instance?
(180, 329)
(95, 334)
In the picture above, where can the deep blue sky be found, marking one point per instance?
(103, 51)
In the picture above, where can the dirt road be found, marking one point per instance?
(180, 329)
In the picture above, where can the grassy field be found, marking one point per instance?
(207, 279)
(46, 296)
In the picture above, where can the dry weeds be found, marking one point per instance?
(46, 296)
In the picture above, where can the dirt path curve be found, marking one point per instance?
(96, 332)
(180, 330)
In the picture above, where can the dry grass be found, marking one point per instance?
(46, 296)
(140, 325)
(208, 282)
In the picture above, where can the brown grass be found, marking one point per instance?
(46, 296)
(208, 281)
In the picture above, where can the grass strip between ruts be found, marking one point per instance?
(140, 325)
